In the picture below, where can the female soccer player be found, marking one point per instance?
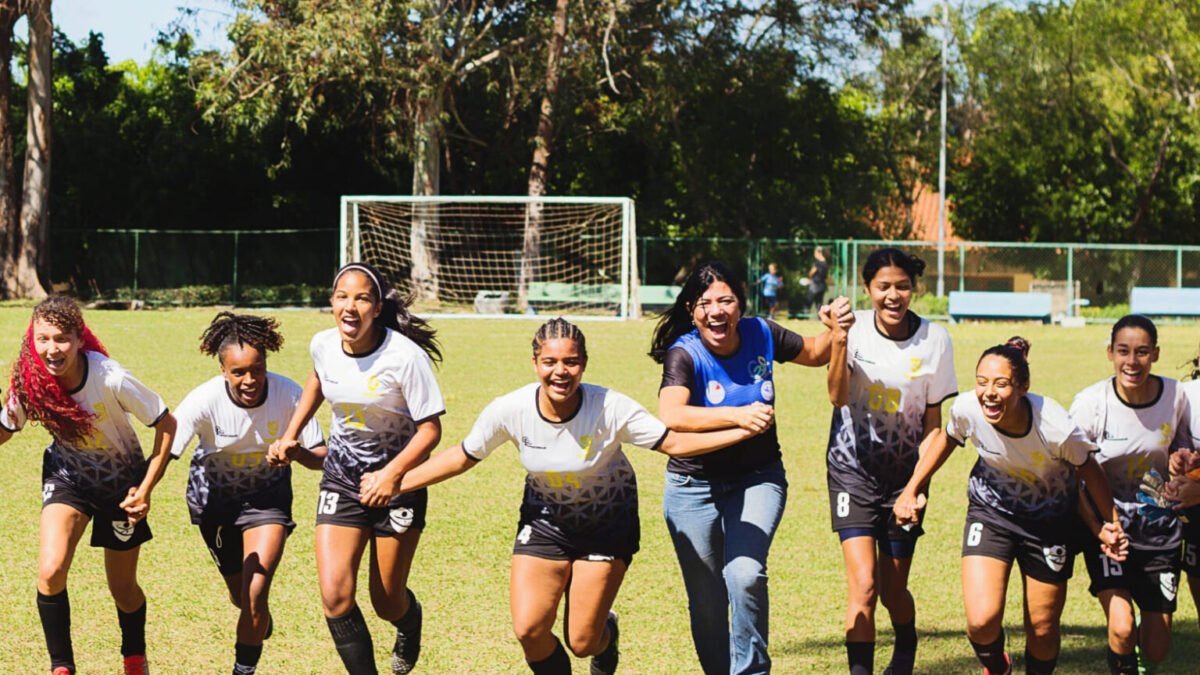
(375, 368)
(1185, 483)
(1022, 490)
(241, 503)
(722, 508)
(94, 467)
(579, 518)
(887, 400)
(1134, 418)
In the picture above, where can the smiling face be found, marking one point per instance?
(245, 372)
(891, 292)
(716, 314)
(999, 392)
(1131, 352)
(559, 367)
(354, 309)
(58, 349)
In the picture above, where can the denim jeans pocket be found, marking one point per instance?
(678, 479)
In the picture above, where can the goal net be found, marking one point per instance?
(499, 256)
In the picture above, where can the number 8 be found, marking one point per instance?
(843, 504)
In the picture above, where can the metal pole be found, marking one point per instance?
(941, 283)
(1179, 268)
(962, 267)
(1071, 281)
(236, 249)
(854, 275)
(137, 245)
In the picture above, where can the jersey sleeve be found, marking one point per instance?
(420, 387)
(788, 345)
(12, 415)
(489, 431)
(137, 399)
(958, 427)
(1086, 412)
(188, 418)
(634, 423)
(1068, 441)
(678, 369)
(944, 383)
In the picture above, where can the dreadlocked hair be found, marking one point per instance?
(38, 392)
(395, 314)
(227, 328)
(557, 329)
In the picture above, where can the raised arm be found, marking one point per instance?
(674, 411)
(817, 350)
(137, 502)
(445, 464)
(837, 380)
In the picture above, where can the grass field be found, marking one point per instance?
(461, 569)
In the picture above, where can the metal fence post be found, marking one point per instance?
(853, 276)
(962, 267)
(1178, 267)
(137, 244)
(236, 250)
(1070, 281)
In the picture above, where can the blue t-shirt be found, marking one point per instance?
(770, 283)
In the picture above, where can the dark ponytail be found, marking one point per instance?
(1016, 352)
(395, 314)
(677, 319)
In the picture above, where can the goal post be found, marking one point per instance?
(500, 256)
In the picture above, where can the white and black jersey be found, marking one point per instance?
(873, 440)
(579, 479)
(378, 399)
(1133, 440)
(230, 460)
(1027, 482)
(109, 460)
(1191, 396)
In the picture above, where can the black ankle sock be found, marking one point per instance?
(556, 664)
(1122, 664)
(1036, 666)
(991, 655)
(55, 612)
(246, 658)
(861, 656)
(906, 636)
(133, 631)
(353, 642)
(408, 622)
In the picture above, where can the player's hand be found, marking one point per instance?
(1184, 490)
(376, 488)
(838, 315)
(1113, 541)
(756, 417)
(1183, 461)
(908, 508)
(136, 505)
(281, 452)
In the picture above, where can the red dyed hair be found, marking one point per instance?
(39, 393)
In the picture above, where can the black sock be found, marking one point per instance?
(906, 636)
(353, 642)
(133, 631)
(1036, 666)
(55, 611)
(861, 656)
(1122, 664)
(407, 623)
(555, 664)
(991, 655)
(246, 658)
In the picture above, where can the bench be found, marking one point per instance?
(546, 292)
(657, 298)
(999, 305)
(1152, 301)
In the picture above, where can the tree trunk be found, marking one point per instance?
(32, 273)
(427, 170)
(531, 244)
(9, 204)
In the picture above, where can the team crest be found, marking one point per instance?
(123, 529)
(768, 391)
(1166, 434)
(373, 386)
(914, 368)
(1056, 557)
(402, 518)
(760, 368)
(1168, 582)
(715, 393)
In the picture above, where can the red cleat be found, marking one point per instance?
(136, 665)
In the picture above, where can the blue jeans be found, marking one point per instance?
(722, 531)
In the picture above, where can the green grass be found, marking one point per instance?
(461, 569)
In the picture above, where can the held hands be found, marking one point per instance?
(1182, 489)
(1113, 541)
(282, 452)
(908, 508)
(756, 417)
(838, 316)
(376, 488)
(1184, 460)
(136, 505)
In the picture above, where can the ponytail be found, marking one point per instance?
(394, 313)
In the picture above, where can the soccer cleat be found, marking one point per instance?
(407, 648)
(61, 670)
(136, 665)
(605, 663)
(1007, 667)
(270, 627)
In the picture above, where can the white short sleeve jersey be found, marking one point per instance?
(1027, 480)
(578, 474)
(1191, 397)
(873, 440)
(108, 461)
(230, 460)
(1133, 440)
(378, 398)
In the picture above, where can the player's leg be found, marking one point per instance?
(339, 550)
(535, 587)
(1122, 633)
(61, 527)
(590, 627)
(391, 562)
(1043, 609)
(858, 554)
(120, 567)
(984, 583)
(262, 548)
(894, 565)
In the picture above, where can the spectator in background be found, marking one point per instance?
(770, 282)
(816, 281)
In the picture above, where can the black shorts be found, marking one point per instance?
(1151, 577)
(221, 525)
(1048, 559)
(850, 514)
(110, 523)
(1190, 553)
(540, 538)
(406, 512)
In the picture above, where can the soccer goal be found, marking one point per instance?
(500, 256)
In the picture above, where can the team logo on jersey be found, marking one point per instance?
(715, 393)
(530, 444)
(47, 491)
(914, 368)
(123, 529)
(1056, 556)
(1166, 433)
(373, 386)
(221, 432)
(1110, 436)
(768, 391)
(1168, 583)
(401, 517)
(862, 359)
(759, 368)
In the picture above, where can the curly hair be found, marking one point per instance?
(38, 392)
(227, 329)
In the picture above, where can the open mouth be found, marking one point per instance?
(719, 329)
(893, 310)
(350, 324)
(992, 411)
(55, 363)
(1131, 375)
(560, 387)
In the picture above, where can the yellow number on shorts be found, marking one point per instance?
(558, 480)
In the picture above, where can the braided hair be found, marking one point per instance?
(228, 328)
(39, 393)
(557, 329)
(1016, 352)
(395, 314)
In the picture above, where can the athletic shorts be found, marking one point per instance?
(1046, 559)
(771, 300)
(1190, 553)
(221, 525)
(1151, 577)
(853, 516)
(110, 522)
(406, 512)
(540, 538)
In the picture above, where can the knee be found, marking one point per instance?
(745, 576)
(337, 600)
(126, 592)
(529, 633)
(254, 600)
(1121, 627)
(52, 576)
(982, 626)
(1042, 630)
(863, 592)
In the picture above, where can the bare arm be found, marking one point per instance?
(937, 449)
(287, 448)
(445, 464)
(137, 501)
(674, 411)
(376, 488)
(817, 350)
(690, 444)
(838, 377)
(1112, 536)
(312, 458)
(5, 434)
